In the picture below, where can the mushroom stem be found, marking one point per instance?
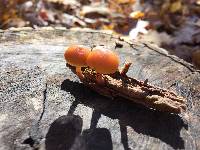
(125, 69)
(100, 79)
(79, 73)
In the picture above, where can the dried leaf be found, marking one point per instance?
(43, 14)
(121, 6)
(16, 22)
(109, 27)
(65, 2)
(125, 1)
(137, 15)
(27, 6)
(176, 6)
(70, 20)
(95, 11)
(164, 8)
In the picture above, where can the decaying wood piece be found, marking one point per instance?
(120, 85)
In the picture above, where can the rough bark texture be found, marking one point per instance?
(119, 84)
(43, 105)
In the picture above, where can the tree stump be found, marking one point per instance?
(43, 105)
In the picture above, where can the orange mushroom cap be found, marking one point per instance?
(103, 61)
(76, 55)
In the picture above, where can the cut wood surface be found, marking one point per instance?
(43, 105)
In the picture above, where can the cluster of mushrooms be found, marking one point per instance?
(102, 60)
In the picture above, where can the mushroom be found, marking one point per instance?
(76, 55)
(103, 61)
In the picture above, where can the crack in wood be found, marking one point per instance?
(34, 135)
(44, 102)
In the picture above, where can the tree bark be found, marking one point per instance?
(44, 105)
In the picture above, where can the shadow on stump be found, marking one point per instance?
(63, 132)
(94, 139)
(163, 126)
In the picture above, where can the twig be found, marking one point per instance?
(120, 85)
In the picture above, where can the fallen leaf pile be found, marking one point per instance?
(172, 24)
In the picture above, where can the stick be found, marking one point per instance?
(120, 85)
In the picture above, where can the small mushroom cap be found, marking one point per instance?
(76, 55)
(103, 61)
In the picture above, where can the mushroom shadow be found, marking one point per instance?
(163, 126)
(63, 132)
(94, 139)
